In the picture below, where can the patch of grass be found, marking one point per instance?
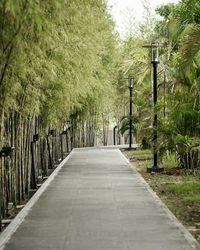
(189, 176)
(142, 155)
(147, 163)
(184, 188)
(169, 161)
(138, 155)
(194, 198)
(142, 152)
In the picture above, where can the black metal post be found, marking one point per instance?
(114, 135)
(61, 146)
(68, 139)
(131, 79)
(53, 156)
(155, 63)
(34, 180)
(0, 212)
(72, 141)
(165, 81)
(67, 143)
(118, 134)
(131, 120)
(49, 151)
(155, 136)
(6, 152)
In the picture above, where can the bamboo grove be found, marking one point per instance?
(57, 68)
(63, 77)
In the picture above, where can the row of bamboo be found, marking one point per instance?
(33, 152)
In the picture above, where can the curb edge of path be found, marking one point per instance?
(13, 226)
(188, 236)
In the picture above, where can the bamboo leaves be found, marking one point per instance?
(57, 68)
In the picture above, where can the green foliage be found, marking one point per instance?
(65, 63)
(190, 46)
(143, 152)
(194, 198)
(185, 188)
(125, 124)
(169, 161)
(55, 57)
(178, 106)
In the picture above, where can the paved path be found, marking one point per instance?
(97, 202)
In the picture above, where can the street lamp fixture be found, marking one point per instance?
(36, 137)
(155, 52)
(155, 61)
(52, 132)
(6, 151)
(131, 81)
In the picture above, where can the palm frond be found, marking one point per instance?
(190, 46)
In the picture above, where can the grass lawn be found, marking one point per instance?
(179, 189)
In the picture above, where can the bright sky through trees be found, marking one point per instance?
(121, 8)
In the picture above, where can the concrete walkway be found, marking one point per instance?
(97, 202)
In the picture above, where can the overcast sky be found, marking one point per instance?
(135, 7)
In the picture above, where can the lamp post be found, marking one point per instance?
(130, 78)
(6, 152)
(67, 142)
(155, 56)
(114, 134)
(64, 132)
(53, 133)
(61, 146)
(34, 182)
